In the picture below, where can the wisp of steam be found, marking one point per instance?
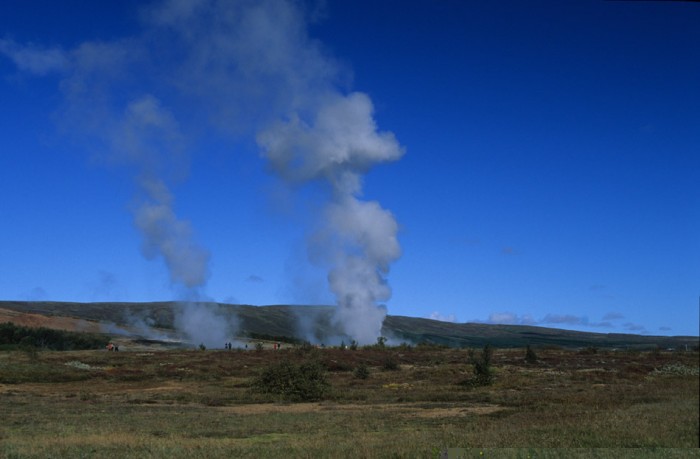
(245, 68)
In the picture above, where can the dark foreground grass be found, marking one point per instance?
(201, 404)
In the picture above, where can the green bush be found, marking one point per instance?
(530, 356)
(483, 375)
(391, 364)
(16, 336)
(361, 371)
(293, 382)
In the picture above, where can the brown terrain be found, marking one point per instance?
(55, 322)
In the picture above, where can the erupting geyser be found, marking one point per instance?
(245, 68)
(338, 144)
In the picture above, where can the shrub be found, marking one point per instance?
(590, 350)
(293, 382)
(391, 364)
(27, 345)
(16, 336)
(483, 375)
(361, 371)
(530, 356)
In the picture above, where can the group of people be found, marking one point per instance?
(229, 346)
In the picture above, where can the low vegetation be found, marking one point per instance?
(295, 382)
(332, 402)
(483, 374)
(15, 336)
(361, 371)
(530, 355)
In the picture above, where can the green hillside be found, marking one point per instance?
(284, 321)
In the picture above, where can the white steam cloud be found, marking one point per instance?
(244, 68)
(358, 238)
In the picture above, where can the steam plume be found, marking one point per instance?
(245, 68)
(255, 67)
(149, 139)
(338, 145)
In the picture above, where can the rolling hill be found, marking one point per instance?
(312, 323)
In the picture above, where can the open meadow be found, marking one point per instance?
(370, 402)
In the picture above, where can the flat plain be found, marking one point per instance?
(414, 402)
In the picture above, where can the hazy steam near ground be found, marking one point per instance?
(245, 68)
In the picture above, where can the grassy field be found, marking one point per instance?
(415, 402)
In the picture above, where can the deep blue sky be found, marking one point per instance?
(550, 174)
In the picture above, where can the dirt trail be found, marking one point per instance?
(408, 409)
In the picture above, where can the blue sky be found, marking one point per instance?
(547, 175)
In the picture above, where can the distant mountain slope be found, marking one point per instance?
(315, 323)
(475, 334)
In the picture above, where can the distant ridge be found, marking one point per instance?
(314, 323)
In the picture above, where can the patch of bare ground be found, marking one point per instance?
(455, 411)
(419, 410)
